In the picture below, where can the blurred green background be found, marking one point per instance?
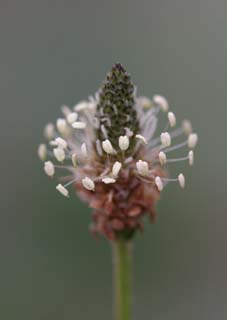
(57, 52)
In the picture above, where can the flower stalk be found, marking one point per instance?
(122, 275)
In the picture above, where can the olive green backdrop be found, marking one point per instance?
(55, 52)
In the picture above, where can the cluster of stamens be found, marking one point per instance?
(75, 146)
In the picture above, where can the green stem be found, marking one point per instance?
(122, 279)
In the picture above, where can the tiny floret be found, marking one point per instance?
(181, 180)
(116, 168)
(141, 138)
(165, 139)
(42, 151)
(108, 180)
(142, 167)
(172, 119)
(49, 168)
(107, 147)
(161, 102)
(162, 158)
(62, 190)
(191, 157)
(123, 143)
(81, 106)
(88, 184)
(59, 154)
(159, 183)
(192, 140)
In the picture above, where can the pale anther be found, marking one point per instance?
(123, 143)
(159, 183)
(88, 184)
(142, 138)
(62, 126)
(172, 119)
(62, 190)
(108, 180)
(49, 168)
(61, 142)
(165, 139)
(59, 154)
(142, 167)
(192, 140)
(107, 146)
(161, 102)
(49, 131)
(42, 151)
(74, 162)
(191, 157)
(72, 117)
(84, 150)
(116, 168)
(162, 157)
(181, 180)
(79, 125)
(187, 126)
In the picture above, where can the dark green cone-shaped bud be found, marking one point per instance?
(116, 108)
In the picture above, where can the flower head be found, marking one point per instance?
(114, 158)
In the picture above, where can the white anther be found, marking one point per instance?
(107, 146)
(116, 168)
(72, 117)
(181, 180)
(142, 167)
(165, 139)
(42, 151)
(49, 168)
(187, 126)
(161, 102)
(191, 157)
(192, 140)
(142, 138)
(88, 184)
(49, 131)
(84, 150)
(62, 126)
(145, 102)
(61, 143)
(65, 110)
(162, 157)
(172, 119)
(79, 125)
(62, 190)
(108, 180)
(59, 154)
(159, 183)
(123, 143)
(74, 158)
(81, 106)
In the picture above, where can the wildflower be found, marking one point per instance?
(114, 158)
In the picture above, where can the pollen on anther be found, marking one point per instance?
(159, 183)
(62, 190)
(181, 180)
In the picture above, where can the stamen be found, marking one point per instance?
(107, 147)
(42, 151)
(88, 184)
(74, 157)
(79, 125)
(49, 131)
(142, 138)
(165, 139)
(187, 126)
(65, 110)
(81, 106)
(123, 143)
(59, 154)
(104, 132)
(181, 180)
(116, 168)
(161, 102)
(162, 158)
(99, 148)
(84, 150)
(72, 117)
(177, 146)
(61, 143)
(49, 168)
(191, 157)
(62, 190)
(159, 184)
(172, 119)
(142, 167)
(62, 126)
(192, 140)
(108, 180)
